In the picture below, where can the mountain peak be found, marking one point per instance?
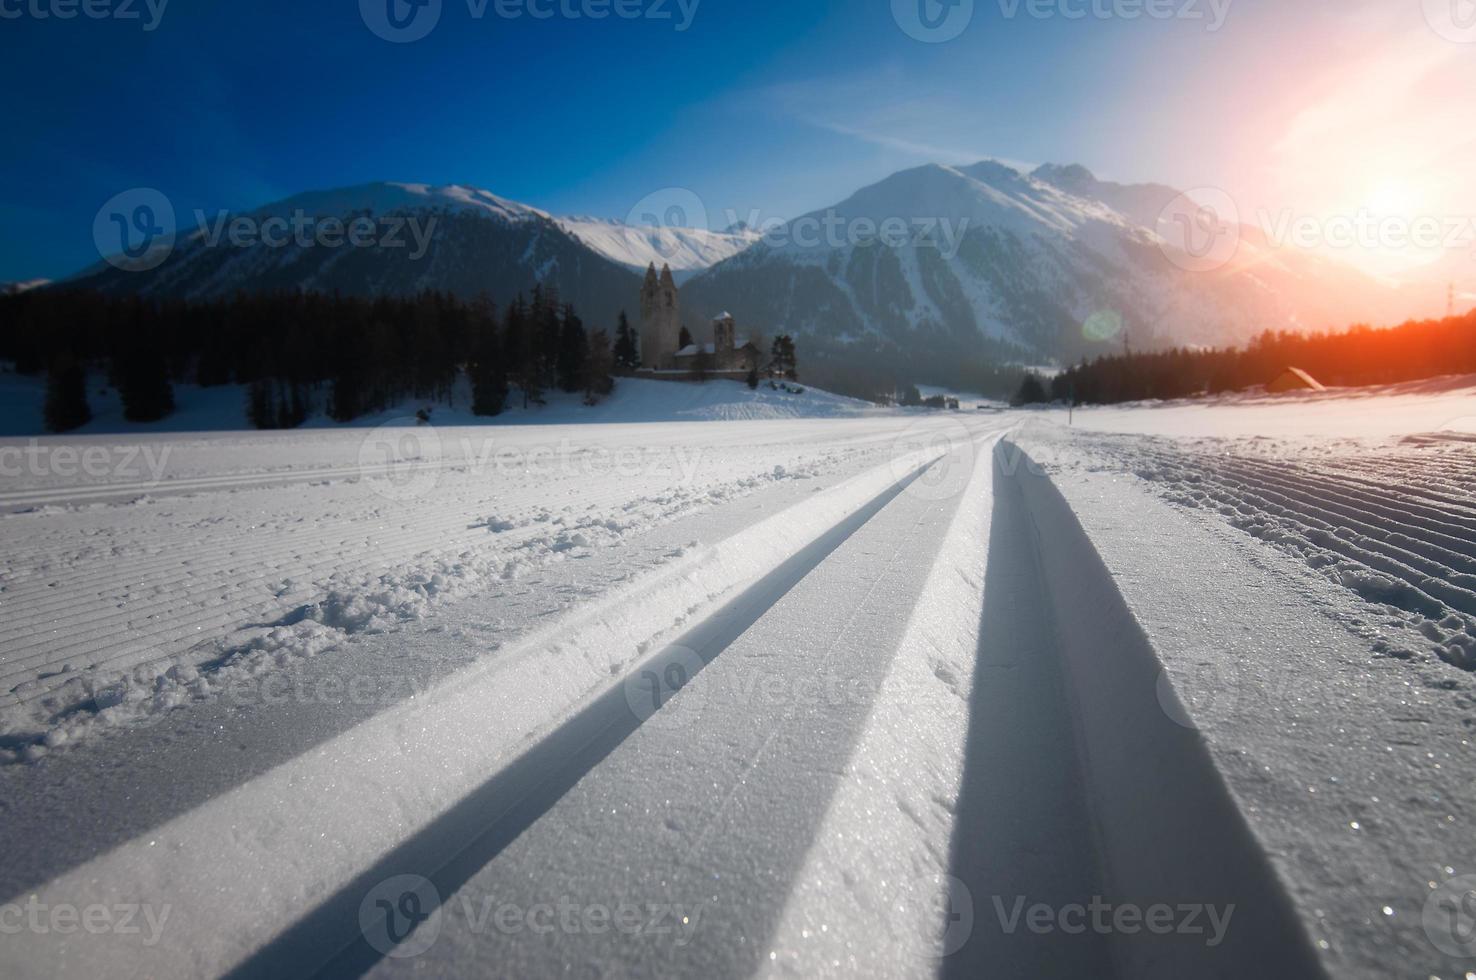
(1072, 174)
(992, 172)
(388, 197)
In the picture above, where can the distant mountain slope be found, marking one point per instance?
(1051, 265)
(990, 262)
(687, 250)
(455, 239)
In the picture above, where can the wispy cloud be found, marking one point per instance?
(866, 107)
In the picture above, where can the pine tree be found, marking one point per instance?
(599, 364)
(143, 380)
(753, 379)
(260, 405)
(627, 353)
(783, 358)
(684, 339)
(488, 370)
(573, 349)
(66, 396)
(1032, 390)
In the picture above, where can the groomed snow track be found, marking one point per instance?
(1151, 812)
(1053, 767)
(1361, 521)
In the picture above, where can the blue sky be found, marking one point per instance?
(773, 107)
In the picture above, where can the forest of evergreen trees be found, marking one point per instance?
(300, 351)
(1360, 356)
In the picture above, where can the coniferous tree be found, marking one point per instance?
(66, 396)
(1032, 391)
(783, 358)
(573, 349)
(488, 370)
(143, 379)
(599, 366)
(298, 409)
(753, 379)
(260, 406)
(684, 339)
(521, 351)
(627, 353)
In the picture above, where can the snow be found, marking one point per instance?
(392, 198)
(803, 686)
(686, 250)
(1302, 566)
(223, 407)
(470, 723)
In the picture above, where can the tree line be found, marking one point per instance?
(1361, 355)
(298, 352)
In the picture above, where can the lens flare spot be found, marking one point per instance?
(1102, 326)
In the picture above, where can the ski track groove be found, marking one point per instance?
(1416, 556)
(207, 596)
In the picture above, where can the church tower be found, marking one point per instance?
(660, 318)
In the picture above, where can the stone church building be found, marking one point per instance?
(726, 355)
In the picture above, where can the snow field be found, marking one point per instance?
(717, 799)
(1302, 584)
(1397, 528)
(119, 610)
(393, 774)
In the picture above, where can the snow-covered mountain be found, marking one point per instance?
(687, 250)
(928, 269)
(456, 239)
(12, 288)
(1053, 264)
